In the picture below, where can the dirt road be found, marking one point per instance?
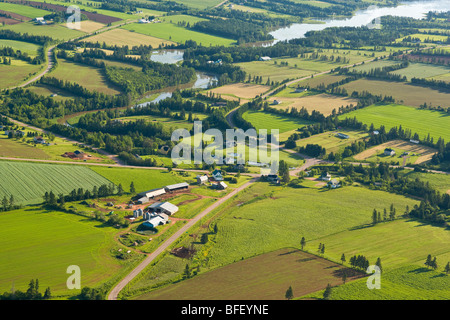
(115, 291)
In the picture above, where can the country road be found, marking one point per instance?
(119, 287)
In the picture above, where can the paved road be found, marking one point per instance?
(119, 287)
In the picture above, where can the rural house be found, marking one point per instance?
(389, 152)
(39, 140)
(334, 183)
(202, 179)
(217, 175)
(343, 136)
(325, 176)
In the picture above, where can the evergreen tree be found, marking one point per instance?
(132, 189)
(327, 292)
(47, 294)
(378, 264)
(303, 242)
(289, 293)
(343, 258)
(187, 272)
(447, 268)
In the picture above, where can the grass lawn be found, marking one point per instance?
(28, 182)
(38, 244)
(418, 121)
(89, 77)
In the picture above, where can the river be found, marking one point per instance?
(416, 9)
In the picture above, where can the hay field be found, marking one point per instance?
(122, 37)
(241, 90)
(324, 103)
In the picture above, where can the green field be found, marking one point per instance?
(418, 121)
(30, 48)
(144, 179)
(57, 32)
(440, 182)
(263, 120)
(173, 32)
(330, 142)
(37, 244)
(28, 182)
(18, 72)
(23, 10)
(89, 77)
(422, 70)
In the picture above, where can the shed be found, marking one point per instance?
(202, 179)
(142, 200)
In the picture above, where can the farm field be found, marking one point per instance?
(240, 90)
(268, 70)
(17, 72)
(26, 11)
(56, 31)
(330, 142)
(375, 64)
(406, 283)
(143, 179)
(404, 93)
(418, 121)
(30, 48)
(437, 181)
(422, 70)
(11, 148)
(263, 120)
(200, 4)
(169, 123)
(255, 279)
(89, 26)
(324, 103)
(122, 37)
(28, 182)
(89, 77)
(172, 32)
(47, 91)
(58, 241)
(398, 243)
(314, 82)
(417, 153)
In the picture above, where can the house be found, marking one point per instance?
(217, 175)
(389, 152)
(202, 179)
(376, 132)
(143, 21)
(221, 185)
(53, 95)
(265, 59)
(152, 193)
(334, 183)
(276, 102)
(325, 176)
(38, 19)
(39, 140)
(15, 133)
(342, 136)
(176, 187)
(79, 154)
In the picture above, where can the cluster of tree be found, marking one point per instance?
(431, 83)
(17, 54)
(32, 293)
(226, 72)
(432, 263)
(376, 215)
(25, 37)
(9, 204)
(242, 53)
(92, 294)
(406, 22)
(313, 150)
(359, 261)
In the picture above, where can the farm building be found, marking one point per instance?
(39, 140)
(142, 200)
(222, 185)
(138, 213)
(414, 141)
(163, 207)
(334, 183)
(217, 175)
(273, 178)
(325, 176)
(152, 193)
(343, 136)
(154, 222)
(389, 152)
(202, 179)
(300, 90)
(176, 187)
(276, 102)
(265, 59)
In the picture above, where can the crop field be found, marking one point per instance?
(263, 120)
(11, 148)
(143, 179)
(324, 103)
(23, 10)
(89, 77)
(28, 182)
(375, 64)
(330, 142)
(426, 38)
(255, 222)
(30, 48)
(41, 244)
(404, 93)
(406, 283)
(241, 90)
(418, 121)
(268, 70)
(304, 272)
(316, 81)
(422, 70)
(398, 243)
(55, 31)
(89, 26)
(200, 4)
(173, 32)
(17, 73)
(123, 37)
(417, 153)
(441, 182)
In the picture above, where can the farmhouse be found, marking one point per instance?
(300, 90)
(273, 178)
(176, 187)
(334, 183)
(202, 179)
(325, 176)
(342, 136)
(39, 140)
(217, 175)
(276, 102)
(389, 152)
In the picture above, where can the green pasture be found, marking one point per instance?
(23, 10)
(331, 142)
(54, 31)
(30, 48)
